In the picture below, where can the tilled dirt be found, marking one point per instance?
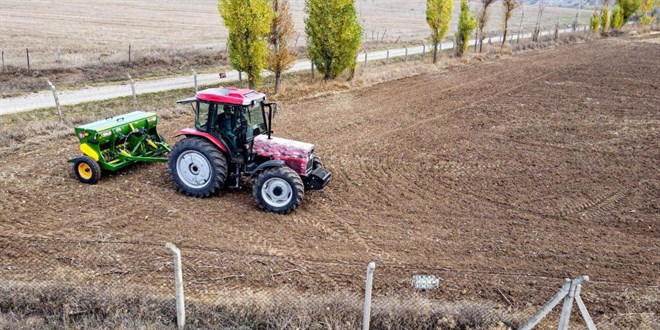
(501, 177)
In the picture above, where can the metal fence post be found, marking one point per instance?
(3, 60)
(27, 54)
(387, 58)
(566, 309)
(405, 59)
(135, 103)
(178, 282)
(365, 58)
(129, 55)
(313, 70)
(583, 309)
(531, 323)
(366, 316)
(57, 100)
(195, 79)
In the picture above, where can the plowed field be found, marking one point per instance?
(501, 177)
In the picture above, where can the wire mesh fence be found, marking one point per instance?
(50, 283)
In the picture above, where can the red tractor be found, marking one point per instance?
(231, 140)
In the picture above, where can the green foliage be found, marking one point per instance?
(595, 21)
(605, 20)
(248, 22)
(467, 22)
(646, 11)
(628, 7)
(617, 17)
(281, 55)
(334, 35)
(438, 16)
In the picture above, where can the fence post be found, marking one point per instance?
(57, 101)
(583, 309)
(3, 60)
(366, 316)
(240, 79)
(195, 79)
(382, 38)
(313, 71)
(423, 50)
(178, 282)
(297, 37)
(129, 55)
(27, 53)
(387, 58)
(405, 59)
(135, 103)
(531, 323)
(365, 58)
(566, 309)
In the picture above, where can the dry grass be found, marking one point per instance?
(54, 306)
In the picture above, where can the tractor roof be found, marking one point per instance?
(230, 95)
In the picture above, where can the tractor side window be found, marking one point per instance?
(256, 122)
(202, 116)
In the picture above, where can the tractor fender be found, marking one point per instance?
(267, 165)
(188, 132)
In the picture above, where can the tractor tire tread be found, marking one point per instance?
(217, 158)
(287, 174)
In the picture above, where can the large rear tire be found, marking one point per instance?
(278, 190)
(197, 167)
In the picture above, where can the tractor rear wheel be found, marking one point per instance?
(278, 190)
(197, 167)
(87, 170)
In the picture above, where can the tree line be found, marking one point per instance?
(261, 31)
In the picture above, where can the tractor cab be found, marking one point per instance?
(232, 139)
(234, 117)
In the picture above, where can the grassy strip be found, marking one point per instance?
(55, 306)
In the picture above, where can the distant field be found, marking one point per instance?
(96, 30)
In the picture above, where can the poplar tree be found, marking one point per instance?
(617, 17)
(595, 21)
(438, 16)
(334, 36)
(646, 11)
(467, 22)
(248, 22)
(482, 18)
(605, 18)
(508, 7)
(281, 55)
(628, 8)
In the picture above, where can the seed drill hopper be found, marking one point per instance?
(115, 143)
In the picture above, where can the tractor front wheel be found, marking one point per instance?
(278, 190)
(87, 170)
(197, 167)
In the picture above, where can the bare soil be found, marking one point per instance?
(501, 177)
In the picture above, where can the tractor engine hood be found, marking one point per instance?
(295, 154)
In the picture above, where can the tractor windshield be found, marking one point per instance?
(256, 120)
